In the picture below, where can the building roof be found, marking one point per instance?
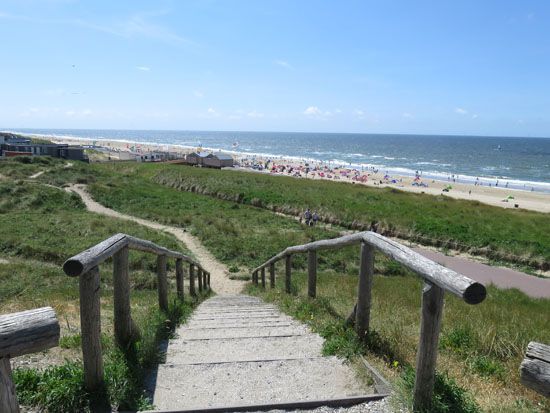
(223, 156)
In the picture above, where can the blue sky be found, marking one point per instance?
(440, 67)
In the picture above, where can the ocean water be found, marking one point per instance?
(522, 163)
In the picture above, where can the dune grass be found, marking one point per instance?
(42, 226)
(511, 235)
(481, 346)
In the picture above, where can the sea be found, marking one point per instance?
(511, 162)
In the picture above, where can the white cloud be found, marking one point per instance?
(283, 63)
(212, 112)
(313, 111)
(70, 113)
(358, 113)
(337, 110)
(234, 117)
(461, 111)
(407, 115)
(198, 94)
(87, 112)
(143, 68)
(474, 116)
(255, 114)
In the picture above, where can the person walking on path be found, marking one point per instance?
(307, 216)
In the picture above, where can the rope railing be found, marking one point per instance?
(86, 266)
(437, 278)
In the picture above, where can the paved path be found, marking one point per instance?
(483, 273)
(237, 350)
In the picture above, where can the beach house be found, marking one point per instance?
(210, 160)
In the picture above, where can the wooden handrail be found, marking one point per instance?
(436, 277)
(467, 289)
(23, 333)
(92, 257)
(86, 266)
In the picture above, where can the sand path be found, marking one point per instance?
(219, 273)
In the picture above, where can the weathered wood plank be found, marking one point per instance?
(364, 291)
(199, 278)
(162, 281)
(470, 291)
(208, 279)
(204, 281)
(535, 374)
(8, 398)
(312, 273)
(90, 325)
(92, 257)
(192, 291)
(263, 277)
(288, 273)
(426, 357)
(28, 332)
(538, 351)
(179, 279)
(317, 245)
(535, 368)
(95, 255)
(272, 275)
(121, 296)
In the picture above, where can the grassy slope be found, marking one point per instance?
(516, 235)
(41, 227)
(482, 346)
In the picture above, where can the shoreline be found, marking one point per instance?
(426, 183)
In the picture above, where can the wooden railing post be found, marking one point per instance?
(432, 311)
(255, 277)
(8, 398)
(288, 273)
(199, 277)
(162, 281)
(263, 277)
(121, 295)
(312, 273)
(366, 273)
(204, 283)
(272, 275)
(179, 279)
(192, 291)
(208, 279)
(90, 326)
(23, 333)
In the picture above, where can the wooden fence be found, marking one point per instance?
(535, 368)
(23, 333)
(437, 279)
(86, 266)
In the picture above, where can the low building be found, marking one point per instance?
(196, 158)
(219, 160)
(13, 145)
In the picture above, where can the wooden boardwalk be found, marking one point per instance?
(238, 351)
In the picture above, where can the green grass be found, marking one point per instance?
(60, 388)
(481, 346)
(42, 226)
(510, 235)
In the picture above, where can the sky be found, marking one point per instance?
(428, 67)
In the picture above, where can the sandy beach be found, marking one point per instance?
(491, 195)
